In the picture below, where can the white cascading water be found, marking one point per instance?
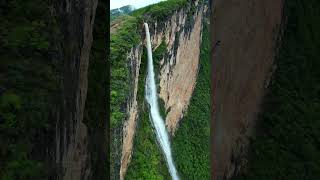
(158, 123)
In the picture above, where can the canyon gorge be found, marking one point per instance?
(176, 42)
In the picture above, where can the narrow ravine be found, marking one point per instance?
(157, 121)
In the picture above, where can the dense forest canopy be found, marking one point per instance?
(31, 72)
(28, 82)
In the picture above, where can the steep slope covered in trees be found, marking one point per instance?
(114, 13)
(29, 83)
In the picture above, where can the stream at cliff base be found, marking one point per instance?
(157, 121)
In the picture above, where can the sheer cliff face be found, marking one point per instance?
(179, 69)
(242, 64)
(177, 74)
(76, 24)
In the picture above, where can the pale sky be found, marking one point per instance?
(136, 3)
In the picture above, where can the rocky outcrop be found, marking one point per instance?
(247, 31)
(72, 153)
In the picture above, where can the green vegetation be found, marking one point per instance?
(191, 142)
(28, 88)
(122, 40)
(115, 13)
(125, 38)
(159, 53)
(287, 144)
(147, 161)
(161, 11)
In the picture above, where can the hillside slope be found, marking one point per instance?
(114, 13)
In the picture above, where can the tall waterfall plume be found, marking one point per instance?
(158, 122)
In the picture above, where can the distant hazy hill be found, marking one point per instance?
(120, 11)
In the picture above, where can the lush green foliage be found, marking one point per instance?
(28, 84)
(115, 13)
(162, 10)
(147, 161)
(126, 37)
(158, 54)
(191, 142)
(287, 145)
(121, 41)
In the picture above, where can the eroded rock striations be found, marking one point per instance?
(247, 31)
(72, 155)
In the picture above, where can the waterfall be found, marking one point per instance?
(158, 123)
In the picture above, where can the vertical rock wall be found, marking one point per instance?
(247, 31)
(76, 20)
